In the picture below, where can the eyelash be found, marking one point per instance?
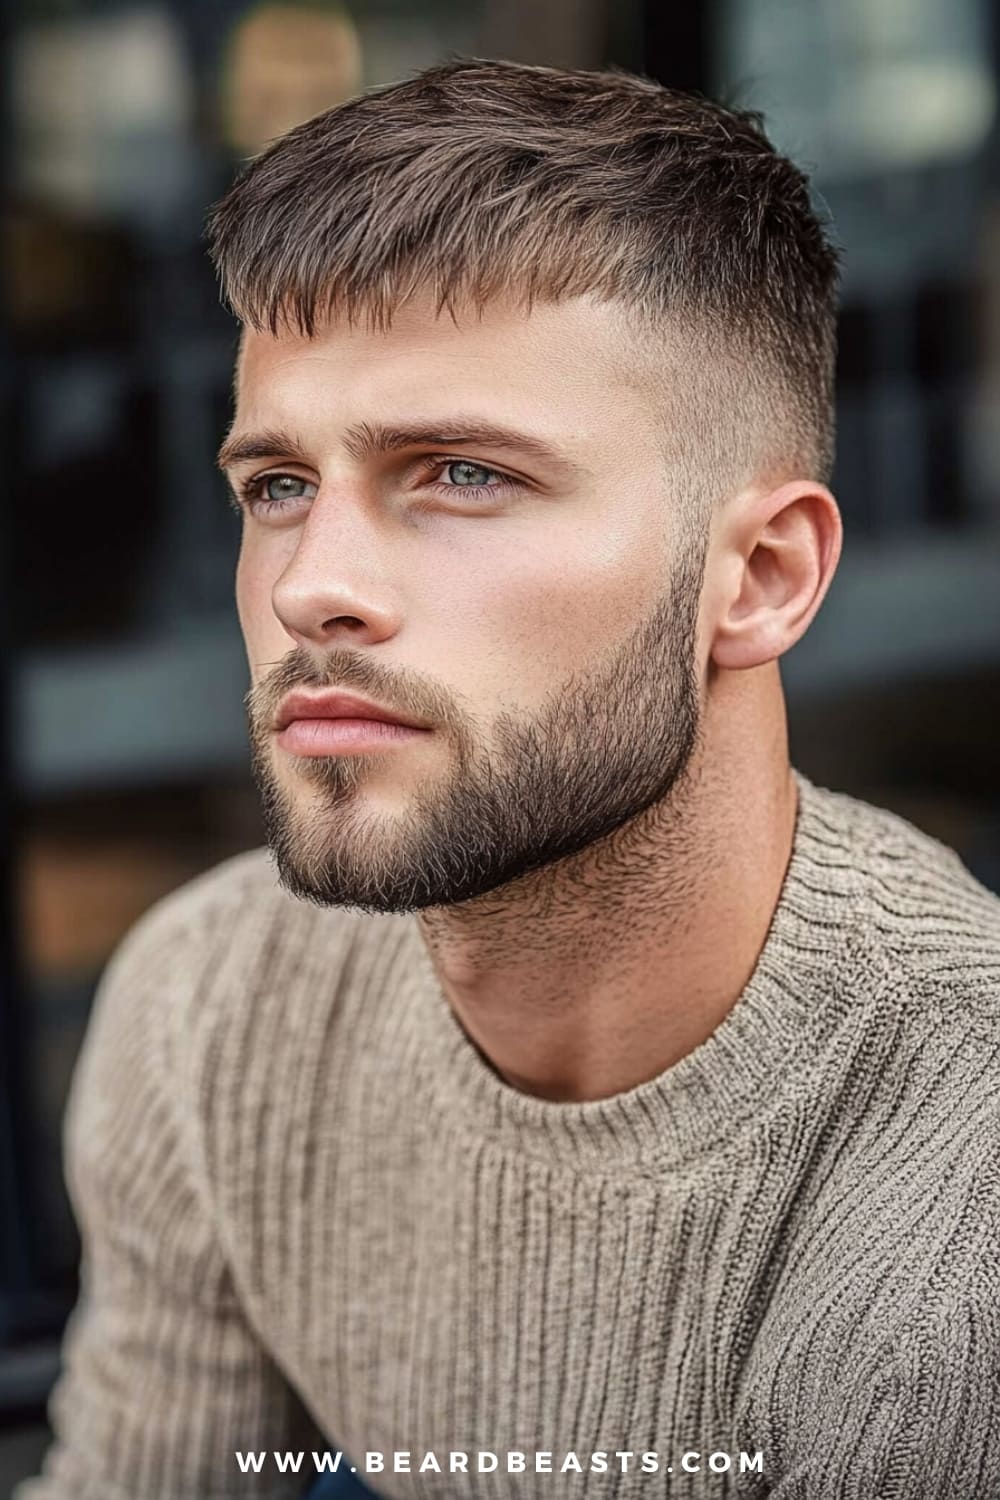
(247, 496)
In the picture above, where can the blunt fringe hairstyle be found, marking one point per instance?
(479, 179)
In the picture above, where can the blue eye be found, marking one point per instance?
(466, 475)
(254, 497)
(279, 479)
(473, 481)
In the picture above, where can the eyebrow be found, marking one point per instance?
(368, 439)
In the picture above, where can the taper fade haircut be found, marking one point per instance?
(477, 180)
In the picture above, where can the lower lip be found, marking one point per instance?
(339, 736)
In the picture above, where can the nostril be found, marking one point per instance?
(351, 620)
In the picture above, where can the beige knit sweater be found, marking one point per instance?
(314, 1218)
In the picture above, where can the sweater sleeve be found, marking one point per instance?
(163, 1380)
(921, 1420)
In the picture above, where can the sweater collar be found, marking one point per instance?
(805, 976)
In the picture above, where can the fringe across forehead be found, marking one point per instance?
(480, 180)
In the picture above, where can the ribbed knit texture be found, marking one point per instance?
(314, 1216)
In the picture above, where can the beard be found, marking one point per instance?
(608, 749)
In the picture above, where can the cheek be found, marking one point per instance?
(247, 591)
(255, 581)
(536, 606)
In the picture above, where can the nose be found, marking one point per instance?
(336, 588)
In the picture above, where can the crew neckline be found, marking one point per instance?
(775, 1028)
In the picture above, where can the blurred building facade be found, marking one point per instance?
(125, 767)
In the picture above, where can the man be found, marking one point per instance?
(573, 1098)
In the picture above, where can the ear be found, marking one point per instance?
(776, 556)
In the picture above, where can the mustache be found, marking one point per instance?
(341, 670)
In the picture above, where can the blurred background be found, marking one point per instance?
(123, 759)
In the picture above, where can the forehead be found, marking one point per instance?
(571, 363)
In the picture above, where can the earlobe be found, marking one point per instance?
(787, 545)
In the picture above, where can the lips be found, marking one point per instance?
(338, 706)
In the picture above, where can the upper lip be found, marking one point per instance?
(338, 706)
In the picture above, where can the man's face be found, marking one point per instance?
(531, 597)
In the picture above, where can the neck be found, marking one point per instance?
(587, 978)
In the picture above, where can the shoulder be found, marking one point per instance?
(918, 1150)
(932, 924)
(214, 989)
(218, 953)
(233, 919)
(236, 886)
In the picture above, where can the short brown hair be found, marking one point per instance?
(480, 178)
